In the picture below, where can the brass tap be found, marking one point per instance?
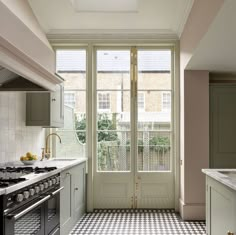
(46, 153)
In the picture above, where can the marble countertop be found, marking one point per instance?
(33, 178)
(224, 176)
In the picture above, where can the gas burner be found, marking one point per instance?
(38, 170)
(8, 182)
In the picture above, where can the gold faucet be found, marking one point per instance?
(46, 151)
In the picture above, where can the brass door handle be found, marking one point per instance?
(230, 233)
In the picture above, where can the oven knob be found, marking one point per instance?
(49, 183)
(54, 181)
(32, 192)
(41, 186)
(26, 194)
(19, 197)
(45, 185)
(58, 179)
(37, 189)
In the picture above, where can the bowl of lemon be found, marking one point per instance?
(29, 158)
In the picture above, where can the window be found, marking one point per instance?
(71, 65)
(104, 101)
(69, 99)
(141, 101)
(166, 101)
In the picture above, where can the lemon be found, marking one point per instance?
(29, 154)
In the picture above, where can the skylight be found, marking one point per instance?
(105, 5)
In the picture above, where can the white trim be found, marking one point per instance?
(17, 61)
(164, 109)
(109, 101)
(192, 211)
(91, 97)
(90, 35)
(184, 17)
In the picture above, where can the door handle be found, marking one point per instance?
(57, 191)
(55, 232)
(22, 213)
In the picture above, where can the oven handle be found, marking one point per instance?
(57, 191)
(22, 213)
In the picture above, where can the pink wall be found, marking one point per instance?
(200, 18)
(194, 112)
(196, 144)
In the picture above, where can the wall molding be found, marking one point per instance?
(192, 211)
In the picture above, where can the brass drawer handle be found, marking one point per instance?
(230, 233)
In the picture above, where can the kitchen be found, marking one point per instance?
(35, 46)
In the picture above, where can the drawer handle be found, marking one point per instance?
(76, 189)
(230, 233)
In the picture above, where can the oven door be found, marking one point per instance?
(52, 212)
(28, 220)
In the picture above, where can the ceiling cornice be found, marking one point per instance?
(101, 34)
(184, 17)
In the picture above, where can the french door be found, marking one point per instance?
(133, 154)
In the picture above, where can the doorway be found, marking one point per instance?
(133, 134)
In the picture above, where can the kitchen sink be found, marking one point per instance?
(64, 159)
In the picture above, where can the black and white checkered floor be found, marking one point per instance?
(142, 221)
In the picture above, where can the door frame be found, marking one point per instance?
(146, 41)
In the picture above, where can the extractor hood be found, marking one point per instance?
(10, 81)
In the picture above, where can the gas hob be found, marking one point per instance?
(13, 175)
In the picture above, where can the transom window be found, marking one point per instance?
(166, 101)
(104, 101)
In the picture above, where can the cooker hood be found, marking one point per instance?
(10, 81)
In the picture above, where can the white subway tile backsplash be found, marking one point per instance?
(15, 138)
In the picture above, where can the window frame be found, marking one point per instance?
(70, 93)
(103, 110)
(144, 101)
(165, 109)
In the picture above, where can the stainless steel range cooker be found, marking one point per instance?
(33, 209)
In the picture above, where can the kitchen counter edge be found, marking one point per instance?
(224, 179)
(34, 178)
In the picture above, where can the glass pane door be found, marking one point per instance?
(113, 171)
(154, 110)
(113, 110)
(154, 177)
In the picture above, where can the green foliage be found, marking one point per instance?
(102, 152)
(140, 145)
(160, 143)
(81, 125)
(104, 126)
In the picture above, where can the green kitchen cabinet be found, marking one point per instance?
(73, 197)
(220, 208)
(45, 109)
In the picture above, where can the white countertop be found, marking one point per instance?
(226, 179)
(33, 178)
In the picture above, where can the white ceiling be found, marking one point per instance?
(217, 50)
(156, 16)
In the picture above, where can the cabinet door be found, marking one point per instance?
(221, 209)
(57, 106)
(222, 126)
(78, 179)
(37, 109)
(66, 202)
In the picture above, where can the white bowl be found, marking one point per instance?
(29, 162)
